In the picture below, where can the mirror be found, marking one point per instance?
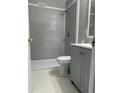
(91, 19)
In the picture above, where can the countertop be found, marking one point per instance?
(83, 45)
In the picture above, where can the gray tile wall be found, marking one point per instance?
(83, 20)
(68, 2)
(47, 30)
(52, 3)
(70, 27)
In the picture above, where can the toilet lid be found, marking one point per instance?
(64, 58)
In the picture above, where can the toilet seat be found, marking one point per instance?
(64, 59)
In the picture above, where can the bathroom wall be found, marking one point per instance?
(83, 20)
(68, 2)
(92, 18)
(70, 33)
(47, 28)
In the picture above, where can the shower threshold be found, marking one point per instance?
(44, 64)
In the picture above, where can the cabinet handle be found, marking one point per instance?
(68, 34)
(82, 53)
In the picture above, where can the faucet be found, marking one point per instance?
(93, 42)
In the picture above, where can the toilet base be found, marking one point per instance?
(63, 71)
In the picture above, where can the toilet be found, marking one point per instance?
(64, 61)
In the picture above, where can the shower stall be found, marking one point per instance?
(53, 26)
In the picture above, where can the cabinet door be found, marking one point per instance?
(75, 66)
(85, 70)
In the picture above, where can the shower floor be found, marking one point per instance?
(44, 64)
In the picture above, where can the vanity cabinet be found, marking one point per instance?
(80, 67)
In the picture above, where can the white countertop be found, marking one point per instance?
(83, 45)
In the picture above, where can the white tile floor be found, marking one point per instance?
(49, 81)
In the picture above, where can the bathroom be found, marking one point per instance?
(62, 39)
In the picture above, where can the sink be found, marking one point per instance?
(83, 45)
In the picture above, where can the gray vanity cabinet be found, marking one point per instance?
(80, 67)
